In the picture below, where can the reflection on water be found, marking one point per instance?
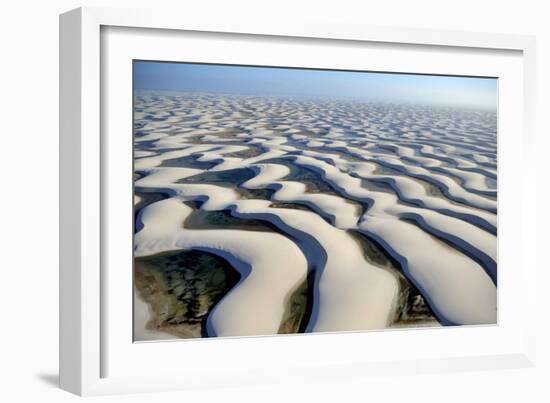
(330, 148)
(182, 288)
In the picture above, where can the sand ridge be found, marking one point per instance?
(436, 217)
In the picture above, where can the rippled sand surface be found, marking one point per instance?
(258, 216)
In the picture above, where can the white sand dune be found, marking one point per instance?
(373, 291)
(342, 213)
(271, 265)
(351, 187)
(409, 188)
(427, 188)
(444, 274)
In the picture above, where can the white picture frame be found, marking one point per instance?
(85, 303)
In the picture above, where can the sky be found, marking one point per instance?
(272, 81)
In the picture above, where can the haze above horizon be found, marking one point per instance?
(475, 92)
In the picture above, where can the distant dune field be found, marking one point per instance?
(259, 216)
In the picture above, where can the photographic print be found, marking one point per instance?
(275, 200)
